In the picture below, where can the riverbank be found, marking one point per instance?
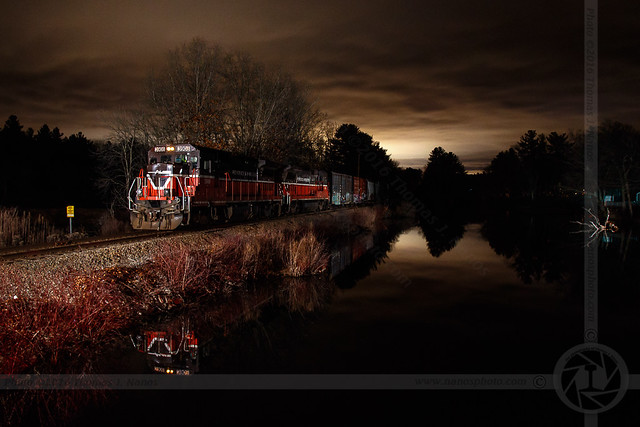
(53, 308)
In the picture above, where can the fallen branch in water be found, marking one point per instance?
(592, 224)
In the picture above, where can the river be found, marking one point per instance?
(474, 299)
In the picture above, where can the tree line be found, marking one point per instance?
(538, 167)
(207, 96)
(47, 169)
(537, 170)
(201, 95)
(44, 168)
(553, 165)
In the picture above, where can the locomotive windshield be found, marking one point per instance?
(187, 158)
(183, 154)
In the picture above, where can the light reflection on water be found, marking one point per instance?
(405, 310)
(465, 311)
(470, 267)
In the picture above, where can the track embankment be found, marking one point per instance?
(133, 250)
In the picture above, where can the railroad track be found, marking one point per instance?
(35, 251)
(40, 250)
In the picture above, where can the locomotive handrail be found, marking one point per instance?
(129, 194)
(140, 178)
(184, 194)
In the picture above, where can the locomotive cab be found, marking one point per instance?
(163, 192)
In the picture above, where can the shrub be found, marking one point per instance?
(305, 256)
(43, 319)
(183, 268)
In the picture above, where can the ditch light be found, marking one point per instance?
(163, 370)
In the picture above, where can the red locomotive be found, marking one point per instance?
(181, 179)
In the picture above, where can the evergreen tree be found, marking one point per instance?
(442, 185)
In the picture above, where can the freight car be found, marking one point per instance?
(181, 179)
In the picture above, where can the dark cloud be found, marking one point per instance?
(468, 76)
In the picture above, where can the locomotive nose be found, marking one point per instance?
(144, 222)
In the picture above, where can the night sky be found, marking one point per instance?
(469, 76)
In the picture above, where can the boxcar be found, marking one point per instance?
(341, 189)
(371, 191)
(359, 190)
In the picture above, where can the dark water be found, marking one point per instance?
(499, 297)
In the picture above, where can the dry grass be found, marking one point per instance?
(305, 256)
(57, 315)
(46, 407)
(184, 270)
(21, 228)
(53, 315)
(181, 267)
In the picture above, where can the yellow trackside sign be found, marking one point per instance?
(69, 211)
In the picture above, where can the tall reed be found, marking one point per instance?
(23, 228)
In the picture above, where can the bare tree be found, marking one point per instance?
(270, 114)
(257, 97)
(304, 126)
(208, 97)
(125, 153)
(189, 94)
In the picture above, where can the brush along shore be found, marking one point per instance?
(52, 307)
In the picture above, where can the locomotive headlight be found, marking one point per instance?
(171, 148)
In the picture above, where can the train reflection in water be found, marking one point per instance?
(346, 254)
(176, 346)
(170, 351)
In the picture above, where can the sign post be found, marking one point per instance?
(70, 216)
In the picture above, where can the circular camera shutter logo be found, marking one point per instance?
(591, 378)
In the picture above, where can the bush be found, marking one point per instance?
(62, 312)
(305, 256)
(182, 268)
